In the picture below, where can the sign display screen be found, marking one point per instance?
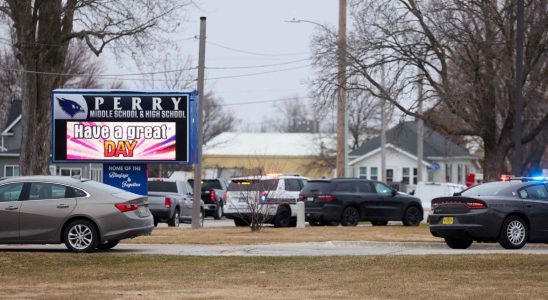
(120, 126)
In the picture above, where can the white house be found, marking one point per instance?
(444, 161)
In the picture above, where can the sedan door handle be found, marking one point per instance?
(12, 208)
(62, 206)
(529, 205)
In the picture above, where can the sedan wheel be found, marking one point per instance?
(514, 233)
(81, 236)
(350, 217)
(412, 216)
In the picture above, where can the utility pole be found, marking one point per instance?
(420, 136)
(196, 222)
(341, 104)
(518, 108)
(383, 130)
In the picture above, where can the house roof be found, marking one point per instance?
(404, 136)
(265, 144)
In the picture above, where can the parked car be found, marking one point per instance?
(278, 194)
(509, 212)
(213, 195)
(83, 214)
(348, 201)
(171, 201)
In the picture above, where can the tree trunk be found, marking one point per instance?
(493, 163)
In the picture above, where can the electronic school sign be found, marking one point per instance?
(115, 126)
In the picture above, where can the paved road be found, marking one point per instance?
(332, 248)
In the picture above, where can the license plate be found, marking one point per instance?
(447, 220)
(309, 198)
(242, 200)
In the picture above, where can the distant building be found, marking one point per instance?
(240, 154)
(10, 148)
(443, 160)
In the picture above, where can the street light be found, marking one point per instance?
(342, 111)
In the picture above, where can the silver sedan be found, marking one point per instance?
(83, 214)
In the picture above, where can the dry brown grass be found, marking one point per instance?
(107, 276)
(244, 236)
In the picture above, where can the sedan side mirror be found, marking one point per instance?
(394, 193)
(456, 194)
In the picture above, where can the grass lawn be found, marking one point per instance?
(107, 276)
(244, 236)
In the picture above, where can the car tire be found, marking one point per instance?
(218, 213)
(175, 220)
(108, 245)
(240, 223)
(81, 236)
(458, 243)
(514, 233)
(155, 222)
(412, 216)
(350, 216)
(379, 223)
(283, 217)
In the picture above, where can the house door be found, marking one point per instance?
(389, 175)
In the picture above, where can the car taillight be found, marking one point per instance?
(212, 195)
(301, 198)
(263, 196)
(125, 207)
(326, 197)
(167, 202)
(476, 204)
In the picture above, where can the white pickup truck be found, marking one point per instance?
(171, 201)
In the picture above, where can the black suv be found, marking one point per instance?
(349, 201)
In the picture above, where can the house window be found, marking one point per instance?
(405, 176)
(415, 175)
(72, 172)
(11, 170)
(374, 175)
(363, 172)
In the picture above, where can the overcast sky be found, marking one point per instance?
(249, 33)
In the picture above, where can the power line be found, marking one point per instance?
(6, 41)
(266, 101)
(259, 66)
(255, 53)
(258, 73)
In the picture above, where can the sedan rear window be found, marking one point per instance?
(208, 184)
(253, 185)
(316, 187)
(486, 189)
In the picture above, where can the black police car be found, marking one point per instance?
(510, 212)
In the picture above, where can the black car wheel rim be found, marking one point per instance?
(412, 215)
(515, 232)
(351, 216)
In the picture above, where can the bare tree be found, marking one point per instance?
(464, 50)
(10, 84)
(42, 31)
(288, 115)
